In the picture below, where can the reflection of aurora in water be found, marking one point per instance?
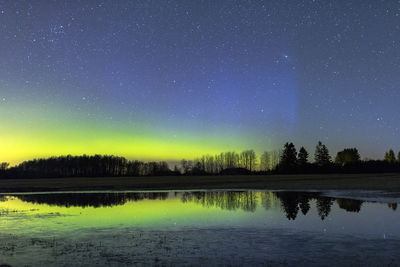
(290, 203)
(243, 228)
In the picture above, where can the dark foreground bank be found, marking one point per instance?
(388, 182)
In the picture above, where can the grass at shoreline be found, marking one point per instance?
(388, 182)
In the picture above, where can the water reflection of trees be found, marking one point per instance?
(393, 206)
(269, 200)
(351, 205)
(324, 206)
(90, 200)
(290, 203)
(246, 201)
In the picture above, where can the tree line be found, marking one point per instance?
(347, 160)
(290, 203)
(245, 162)
(85, 166)
(288, 160)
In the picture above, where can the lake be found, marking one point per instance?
(198, 228)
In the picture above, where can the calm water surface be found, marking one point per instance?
(185, 228)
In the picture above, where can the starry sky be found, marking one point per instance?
(164, 80)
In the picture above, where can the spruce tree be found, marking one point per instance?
(302, 157)
(288, 160)
(322, 157)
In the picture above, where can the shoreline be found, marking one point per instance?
(382, 181)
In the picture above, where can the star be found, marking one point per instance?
(180, 71)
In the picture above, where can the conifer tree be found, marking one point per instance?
(288, 160)
(322, 157)
(302, 156)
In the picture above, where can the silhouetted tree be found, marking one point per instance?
(187, 166)
(219, 162)
(4, 166)
(265, 161)
(224, 163)
(302, 157)
(348, 155)
(176, 169)
(322, 157)
(275, 158)
(86, 166)
(198, 168)
(253, 159)
(270, 160)
(390, 157)
(245, 160)
(211, 166)
(231, 160)
(288, 161)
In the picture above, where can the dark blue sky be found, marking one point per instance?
(198, 75)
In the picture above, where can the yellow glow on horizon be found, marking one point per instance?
(27, 137)
(16, 148)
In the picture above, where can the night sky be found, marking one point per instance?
(163, 80)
